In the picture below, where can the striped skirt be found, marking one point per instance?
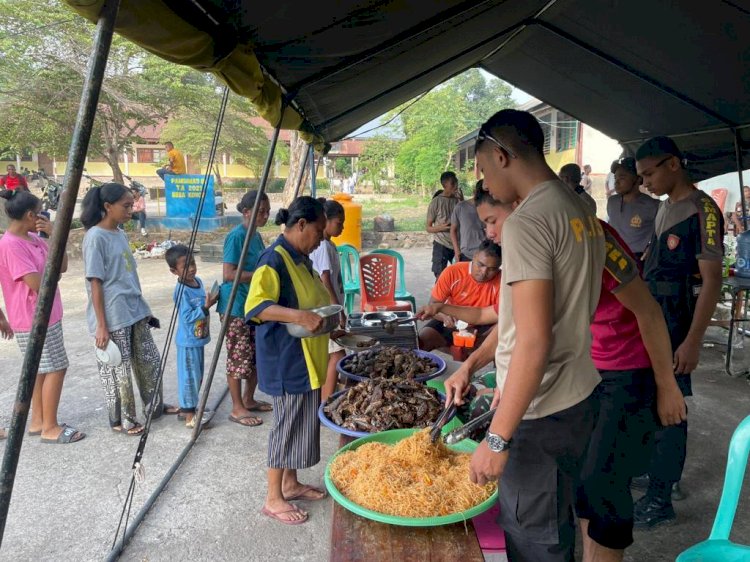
(294, 441)
(54, 357)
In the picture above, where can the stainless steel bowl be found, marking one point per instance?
(331, 316)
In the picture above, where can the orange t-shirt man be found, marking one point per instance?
(475, 284)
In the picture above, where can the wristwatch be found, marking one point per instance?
(496, 443)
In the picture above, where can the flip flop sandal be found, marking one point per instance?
(170, 410)
(240, 419)
(29, 433)
(268, 513)
(261, 406)
(302, 494)
(67, 435)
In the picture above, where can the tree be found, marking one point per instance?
(432, 124)
(378, 159)
(297, 149)
(44, 49)
(246, 143)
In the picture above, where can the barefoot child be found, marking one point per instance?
(192, 328)
(326, 262)
(117, 310)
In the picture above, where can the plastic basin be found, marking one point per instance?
(330, 424)
(391, 437)
(435, 358)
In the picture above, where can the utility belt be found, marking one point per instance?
(684, 292)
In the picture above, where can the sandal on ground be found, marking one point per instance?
(29, 433)
(253, 421)
(67, 435)
(260, 406)
(277, 516)
(306, 494)
(137, 429)
(170, 410)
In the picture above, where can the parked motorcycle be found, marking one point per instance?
(134, 184)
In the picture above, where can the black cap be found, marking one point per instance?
(658, 146)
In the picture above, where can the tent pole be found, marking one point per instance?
(313, 172)
(301, 175)
(740, 167)
(78, 148)
(206, 386)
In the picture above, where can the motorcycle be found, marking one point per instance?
(51, 190)
(134, 184)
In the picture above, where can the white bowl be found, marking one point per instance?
(110, 356)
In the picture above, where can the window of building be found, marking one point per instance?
(151, 155)
(545, 120)
(567, 132)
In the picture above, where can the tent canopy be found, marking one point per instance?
(632, 69)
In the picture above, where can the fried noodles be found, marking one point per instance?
(413, 478)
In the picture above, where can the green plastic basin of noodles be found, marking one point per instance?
(392, 437)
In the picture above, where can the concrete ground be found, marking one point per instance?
(67, 499)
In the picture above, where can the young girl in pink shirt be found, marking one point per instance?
(23, 254)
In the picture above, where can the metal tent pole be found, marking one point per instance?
(740, 166)
(301, 175)
(76, 157)
(313, 172)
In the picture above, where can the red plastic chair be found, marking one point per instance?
(378, 274)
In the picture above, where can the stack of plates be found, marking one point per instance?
(405, 335)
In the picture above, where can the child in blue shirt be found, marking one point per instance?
(192, 328)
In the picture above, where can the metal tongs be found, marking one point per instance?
(390, 325)
(465, 431)
(447, 413)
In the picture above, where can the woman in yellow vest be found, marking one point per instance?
(291, 370)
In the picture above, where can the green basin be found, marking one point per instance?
(391, 437)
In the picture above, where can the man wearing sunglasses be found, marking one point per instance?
(683, 270)
(553, 256)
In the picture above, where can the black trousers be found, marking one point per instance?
(538, 487)
(441, 257)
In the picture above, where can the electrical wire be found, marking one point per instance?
(136, 467)
(415, 100)
(44, 26)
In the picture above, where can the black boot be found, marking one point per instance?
(649, 512)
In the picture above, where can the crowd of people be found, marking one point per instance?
(594, 329)
(594, 338)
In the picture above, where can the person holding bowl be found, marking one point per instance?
(284, 289)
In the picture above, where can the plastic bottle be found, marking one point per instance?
(742, 266)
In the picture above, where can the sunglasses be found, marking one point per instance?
(486, 136)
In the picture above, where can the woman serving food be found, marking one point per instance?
(292, 370)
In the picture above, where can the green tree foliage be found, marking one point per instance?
(44, 48)
(377, 161)
(432, 124)
(239, 138)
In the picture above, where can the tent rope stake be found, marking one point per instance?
(78, 148)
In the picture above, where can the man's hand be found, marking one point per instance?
(429, 311)
(495, 399)
(670, 405)
(686, 357)
(486, 466)
(5, 330)
(457, 385)
(449, 322)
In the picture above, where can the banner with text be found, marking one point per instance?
(183, 192)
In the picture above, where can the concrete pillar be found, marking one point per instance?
(224, 162)
(125, 161)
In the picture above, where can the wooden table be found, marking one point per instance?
(354, 538)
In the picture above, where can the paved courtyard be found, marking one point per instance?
(67, 499)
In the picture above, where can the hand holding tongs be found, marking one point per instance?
(463, 432)
(390, 325)
(447, 413)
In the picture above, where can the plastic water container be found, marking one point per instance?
(742, 265)
(352, 233)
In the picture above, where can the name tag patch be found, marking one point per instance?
(673, 241)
